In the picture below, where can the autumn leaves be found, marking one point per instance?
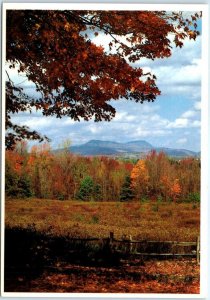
(65, 176)
(74, 76)
(169, 188)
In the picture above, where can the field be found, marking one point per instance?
(39, 231)
(150, 220)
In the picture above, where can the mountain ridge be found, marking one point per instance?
(131, 148)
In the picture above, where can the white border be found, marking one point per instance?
(204, 155)
(204, 139)
(3, 150)
(105, 6)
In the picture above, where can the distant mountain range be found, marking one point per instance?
(129, 149)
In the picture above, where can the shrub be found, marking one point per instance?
(159, 198)
(144, 199)
(193, 197)
(95, 219)
(155, 207)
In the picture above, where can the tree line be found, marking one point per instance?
(62, 175)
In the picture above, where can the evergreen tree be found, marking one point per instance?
(24, 186)
(16, 186)
(86, 189)
(126, 193)
(11, 180)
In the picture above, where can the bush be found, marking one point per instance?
(144, 199)
(155, 207)
(193, 197)
(159, 198)
(95, 219)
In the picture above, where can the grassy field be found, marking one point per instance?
(150, 220)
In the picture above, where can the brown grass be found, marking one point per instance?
(151, 221)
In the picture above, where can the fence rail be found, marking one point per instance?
(132, 247)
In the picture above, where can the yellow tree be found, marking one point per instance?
(140, 179)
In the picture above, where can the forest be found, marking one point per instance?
(43, 173)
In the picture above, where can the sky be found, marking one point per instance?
(173, 120)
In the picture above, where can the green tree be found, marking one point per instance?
(86, 190)
(126, 192)
(11, 181)
(24, 186)
(17, 185)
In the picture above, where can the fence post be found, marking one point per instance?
(198, 250)
(130, 244)
(111, 239)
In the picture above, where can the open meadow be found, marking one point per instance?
(46, 229)
(148, 220)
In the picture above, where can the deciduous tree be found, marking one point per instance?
(140, 179)
(74, 76)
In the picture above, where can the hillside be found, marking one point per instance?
(131, 149)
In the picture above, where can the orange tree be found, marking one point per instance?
(74, 76)
(140, 179)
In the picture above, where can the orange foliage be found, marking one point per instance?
(139, 173)
(139, 178)
(175, 189)
(155, 176)
(15, 160)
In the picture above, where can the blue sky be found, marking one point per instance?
(173, 120)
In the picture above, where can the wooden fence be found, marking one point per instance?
(145, 248)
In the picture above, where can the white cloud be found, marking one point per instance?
(196, 123)
(94, 128)
(197, 105)
(182, 141)
(179, 123)
(39, 123)
(189, 114)
(124, 117)
(184, 76)
(180, 73)
(184, 123)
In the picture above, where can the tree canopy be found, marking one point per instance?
(74, 76)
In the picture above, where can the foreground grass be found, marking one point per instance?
(151, 221)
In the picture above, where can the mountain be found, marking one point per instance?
(177, 152)
(129, 149)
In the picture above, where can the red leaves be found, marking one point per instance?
(50, 40)
(55, 50)
(174, 277)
